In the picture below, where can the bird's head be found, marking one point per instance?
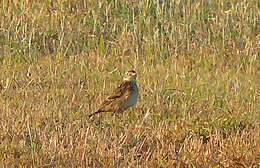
(130, 75)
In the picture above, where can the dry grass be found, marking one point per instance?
(198, 69)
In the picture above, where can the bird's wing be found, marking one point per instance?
(119, 95)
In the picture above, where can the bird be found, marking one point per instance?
(123, 97)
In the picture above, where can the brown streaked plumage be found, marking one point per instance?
(123, 97)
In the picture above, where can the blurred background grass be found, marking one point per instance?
(198, 73)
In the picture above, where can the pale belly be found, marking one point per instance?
(131, 101)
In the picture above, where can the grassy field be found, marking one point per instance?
(198, 67)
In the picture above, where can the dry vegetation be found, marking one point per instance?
(198, 69)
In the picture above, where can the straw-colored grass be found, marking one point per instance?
(198, 67)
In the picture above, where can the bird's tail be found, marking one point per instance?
(99, 111)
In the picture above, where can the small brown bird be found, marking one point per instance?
(123, 97)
